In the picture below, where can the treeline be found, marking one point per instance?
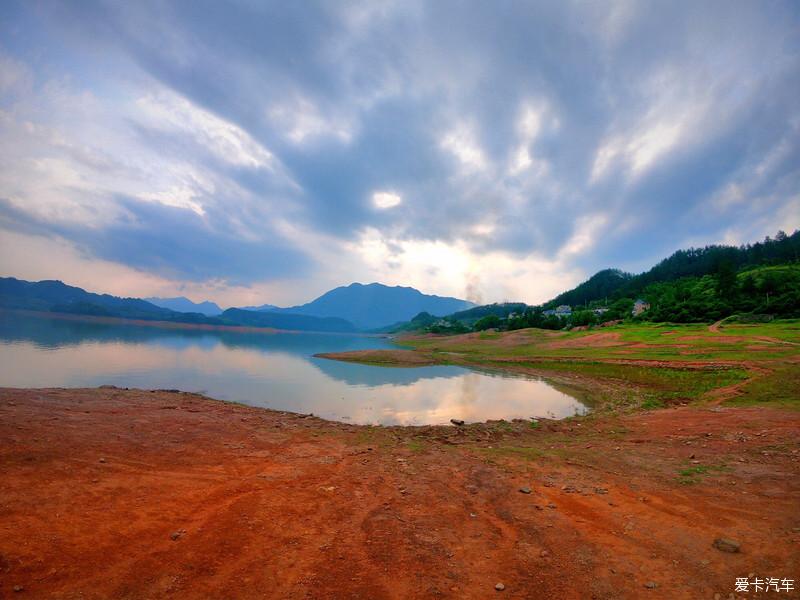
(773, 291)
(612, 284)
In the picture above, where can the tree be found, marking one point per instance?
(487, 322)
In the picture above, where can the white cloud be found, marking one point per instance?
(680, 109)
(534, 118)
(301, 121)
(384, 200)
(586, 232)
(462, 143)
(169, 112)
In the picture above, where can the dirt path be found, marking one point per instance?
(128, 494)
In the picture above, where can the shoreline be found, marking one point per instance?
(176, 325)
(179, 494)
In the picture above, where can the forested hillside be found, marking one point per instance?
(759, 281)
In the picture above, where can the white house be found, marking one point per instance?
(639, 307)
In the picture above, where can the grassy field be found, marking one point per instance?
(632, 365)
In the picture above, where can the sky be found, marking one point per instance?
(264, 152)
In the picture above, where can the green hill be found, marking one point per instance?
(694, 285)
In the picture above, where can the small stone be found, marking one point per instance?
(551, 505)
(544, 554)
(18, 588)
(726, 545)
(175, 536)
(691, 456)
(525, 490)
(651, 585)
(499, 587)
(458, 422)
(102, 460)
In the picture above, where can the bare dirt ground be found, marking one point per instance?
(109, 493)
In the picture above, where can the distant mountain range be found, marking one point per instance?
(344, 309)
(376, 305)
(57, 297)
(182, 304)
(262, 308)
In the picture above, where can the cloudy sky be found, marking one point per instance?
(267, 151)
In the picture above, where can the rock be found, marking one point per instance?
(691, 456)
(18, 588)
(102, 460)
(726, 545)
(177, 535)
(551, 505)
(600, 490)
(651, 585)
(499, 587)
(544, 554)
(525, 490)
(458, 422)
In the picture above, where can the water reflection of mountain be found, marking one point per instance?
(51, 333)
(372, 376)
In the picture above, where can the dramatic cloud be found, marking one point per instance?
(264, 152)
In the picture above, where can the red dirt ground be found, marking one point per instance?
(95, 484)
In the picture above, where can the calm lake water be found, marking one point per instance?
(269, 370)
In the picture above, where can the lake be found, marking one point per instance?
(271, 370)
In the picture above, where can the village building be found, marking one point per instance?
(560, 311)
(639, 307)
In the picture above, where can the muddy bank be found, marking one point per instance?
(386, 358)
(131, 494)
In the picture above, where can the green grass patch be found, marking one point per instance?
(417, 446)
(691, 475)
(780, 388)
(524, 452)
